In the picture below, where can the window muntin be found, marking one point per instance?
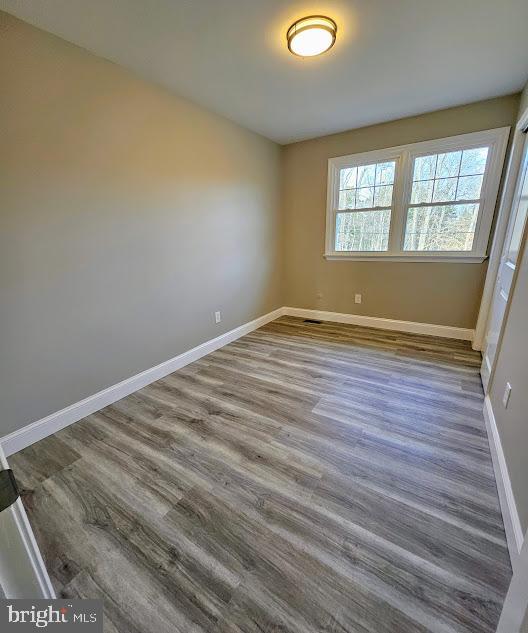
(362, 217)
(428, 200)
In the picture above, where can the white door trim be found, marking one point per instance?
(23, 573)
(503, 216)
(514, 614)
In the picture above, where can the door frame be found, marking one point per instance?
(514, 613)
(522, 248)
(22, 571)
(501, 226)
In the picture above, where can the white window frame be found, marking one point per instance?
(404, 155)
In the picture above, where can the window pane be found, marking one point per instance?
(424, 167)
(422, 191)
(364, 187)
(436, 177)
(446, 228)
(518, 227)
(365, 197)
(444, 190)
(385, 173)
(347, 178)
(347, 199)
(362, 231)
(469, 187)
(519, 222)
(383, 196)
(474, 161)
(366, 175)
(448, 164)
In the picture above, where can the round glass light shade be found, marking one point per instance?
(311, 36)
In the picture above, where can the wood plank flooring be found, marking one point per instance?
(307, 478)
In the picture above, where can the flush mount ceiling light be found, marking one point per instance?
(311, 36)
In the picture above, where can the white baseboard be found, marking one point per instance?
(17, 440)
(512, 523)
(27, 435)
(412, 327)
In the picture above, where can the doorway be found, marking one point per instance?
(507, 268)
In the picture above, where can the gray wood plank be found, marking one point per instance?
(306, 478)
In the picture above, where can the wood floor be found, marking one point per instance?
(306, 478)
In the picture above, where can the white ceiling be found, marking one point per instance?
(392, 58)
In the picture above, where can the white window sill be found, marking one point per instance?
(387, 257)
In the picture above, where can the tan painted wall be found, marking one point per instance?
(127, 216)
(443, 293)
(512, 367)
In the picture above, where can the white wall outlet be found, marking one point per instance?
(506, 396)
(218, 317)
(357, 298)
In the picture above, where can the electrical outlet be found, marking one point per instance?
(357, 298)
(218, 317)
(506, 396)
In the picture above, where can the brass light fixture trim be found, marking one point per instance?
(311, 36)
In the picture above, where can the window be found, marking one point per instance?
(365, 201)
(445, 200)
(427, 201)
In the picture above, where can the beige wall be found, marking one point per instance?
(443, 293)
(512, 366)
(127, 216)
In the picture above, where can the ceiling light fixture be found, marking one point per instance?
(311, 36)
